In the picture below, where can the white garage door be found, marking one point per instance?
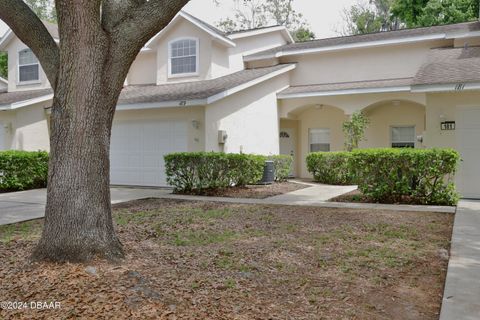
(138, 147)
(468, 141)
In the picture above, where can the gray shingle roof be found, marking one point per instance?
(327, 87)
(194, 90)
(206, 25)
(8, 98)
(379, 36)
(450, 65)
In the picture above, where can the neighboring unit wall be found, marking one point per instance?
(26, 128)
(401, 61)
(253, 44)
(184, 29)
(13, 48)
(143, 69)
(385, 115)
(196, 141)
(250, 119)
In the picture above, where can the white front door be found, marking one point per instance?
(2, 135)
(138, 147)
(468, 142)
(287, 146)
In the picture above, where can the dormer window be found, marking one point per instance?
(183, 57)
(28, 67)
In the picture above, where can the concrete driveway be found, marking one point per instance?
(27, 205)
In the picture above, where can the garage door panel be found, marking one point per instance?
(468, 142)
(138, 148)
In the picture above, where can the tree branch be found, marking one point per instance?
(31, 31)
(138, 24)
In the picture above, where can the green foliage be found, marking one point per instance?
(424, 13)
(22, 170)
(44, 9)
(3, 65)
(198, 171)
(250, 14)
(388, 175)
(425, 176)
(330, 167)
(387, 15)
(283, 166)
(354, 130)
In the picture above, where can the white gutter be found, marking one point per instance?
(455, 87)
(339, 47)
(343, 92)
(24, 103)
(249, 84)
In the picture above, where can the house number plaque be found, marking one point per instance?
(447, 125)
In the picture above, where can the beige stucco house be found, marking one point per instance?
(195, 88)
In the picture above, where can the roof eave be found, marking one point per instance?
(341, 92)
(445, 87)
(219, 38)
(250, 33)
(25, 103)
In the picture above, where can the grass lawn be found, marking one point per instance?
(199, 260)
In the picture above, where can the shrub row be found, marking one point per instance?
(197, 171)
(425, 176)
(22, 170)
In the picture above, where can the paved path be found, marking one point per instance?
(461, 299)
(28, 205)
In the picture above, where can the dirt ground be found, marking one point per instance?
(253, 191)
(197, 260)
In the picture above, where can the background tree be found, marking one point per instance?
(3, 65)
(45, 10)
(100, 39)
(249, 14)
(367, 17)
(424, 13)
(354, 130)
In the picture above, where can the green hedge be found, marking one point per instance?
(390, 175)
(22, 170)
(283, 165)
(330, 167)
(425, 175)
(197, 171)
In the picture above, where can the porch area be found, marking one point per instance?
(310, 124)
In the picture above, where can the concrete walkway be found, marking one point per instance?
(28, 205)
(461, 299)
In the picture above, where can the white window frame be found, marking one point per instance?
(403, 126)
(310, 139)
(24, 65)
(197, 62)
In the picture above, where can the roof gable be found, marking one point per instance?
(215, 33)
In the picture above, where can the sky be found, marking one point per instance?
(324, 16)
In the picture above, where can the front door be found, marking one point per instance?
(287, 146)
(2, 136)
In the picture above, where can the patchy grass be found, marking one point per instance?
(197, 260)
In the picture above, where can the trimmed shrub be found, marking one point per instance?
(283, 165)
(423, 175)
(197, 171)
(23, 170)
(330, 167)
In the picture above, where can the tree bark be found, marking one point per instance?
(78, 221)
(99, 40)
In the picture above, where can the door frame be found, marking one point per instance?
(293, 136)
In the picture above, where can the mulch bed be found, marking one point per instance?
(358, 197)
(200, 260)
(252, 191)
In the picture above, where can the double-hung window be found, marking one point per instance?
(403, 137)
(28, 67)
(183, 57)
(319, 140)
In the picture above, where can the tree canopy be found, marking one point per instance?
(388, 15)
(250, 14)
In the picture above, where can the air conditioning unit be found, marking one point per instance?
(222, 136)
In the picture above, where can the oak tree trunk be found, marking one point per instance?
(78, 221)
(99, 40)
